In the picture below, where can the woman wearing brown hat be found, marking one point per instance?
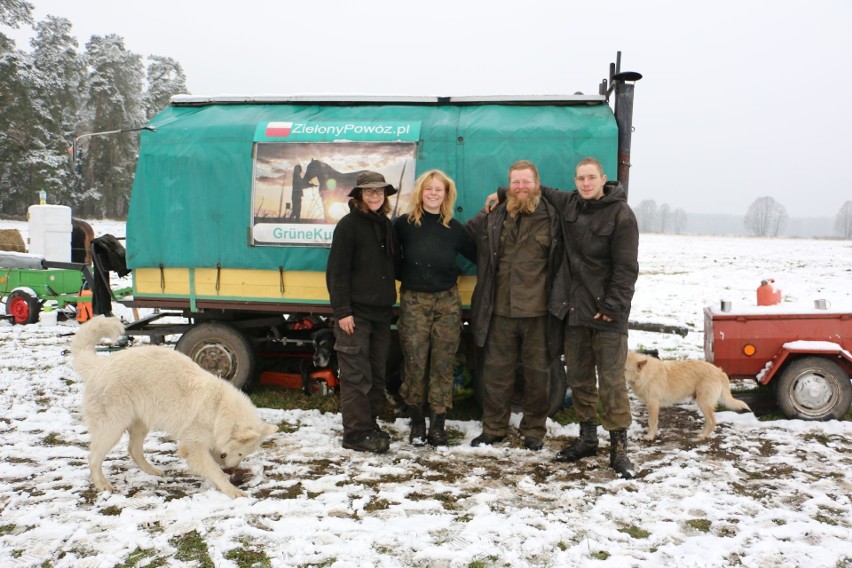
(362, 289)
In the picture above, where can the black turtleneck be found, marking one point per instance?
(429, 252)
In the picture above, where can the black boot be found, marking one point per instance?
(585, 445)
(366, 441)
(617, 456)
(437, 435)
(417, 435)
(378, 429)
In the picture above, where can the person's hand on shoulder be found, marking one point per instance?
(491, 202)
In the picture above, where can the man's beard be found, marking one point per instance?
(522, 206)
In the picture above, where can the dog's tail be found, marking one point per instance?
(727, 400)
(88, 336)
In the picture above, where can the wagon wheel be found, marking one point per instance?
(814, 388)
(221, 350)
(23, 307)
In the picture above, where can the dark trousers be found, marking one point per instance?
(511, 340)
(362, 358)
(588, 350)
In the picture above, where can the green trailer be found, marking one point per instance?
(27, 283)
(235, 198)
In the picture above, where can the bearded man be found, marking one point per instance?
(519, 246)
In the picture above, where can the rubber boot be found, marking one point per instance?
(617, 455)
(417, 436)
(586, 444)
(437, 435)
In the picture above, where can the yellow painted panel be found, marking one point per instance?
(244, 283)
(266, 284)
(147, 281)
(466, 285)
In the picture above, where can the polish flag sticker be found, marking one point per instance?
(278, 129)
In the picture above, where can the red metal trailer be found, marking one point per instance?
(805, 352)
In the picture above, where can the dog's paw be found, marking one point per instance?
(649, 437)
(233, 492)
(104, 486)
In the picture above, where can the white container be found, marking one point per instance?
(50, 232)
(48, 317)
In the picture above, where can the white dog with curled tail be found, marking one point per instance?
(157, 388)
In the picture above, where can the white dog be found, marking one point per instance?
(157, 388)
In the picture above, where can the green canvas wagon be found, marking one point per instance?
(235, 198)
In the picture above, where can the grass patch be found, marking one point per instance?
(140, 556)
(483, 563)
(7, 529)
(53, 439)
(249, 558)
(635, 532)
(376, 505)
(19, 460)
(829, 516)
(111, 511)
(192, 548)
(267, 396)
(701, 525)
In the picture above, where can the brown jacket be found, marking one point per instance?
(485, 230)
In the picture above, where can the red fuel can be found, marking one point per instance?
(767, 293)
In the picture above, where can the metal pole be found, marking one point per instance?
(76, 141)
(624, 120)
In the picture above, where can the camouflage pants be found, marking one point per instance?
(429, 333)
(512, 340)
(588, 349)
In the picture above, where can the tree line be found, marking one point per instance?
(56, 92)
(765, 217)
(659, 219)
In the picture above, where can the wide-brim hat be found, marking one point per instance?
(372, 180)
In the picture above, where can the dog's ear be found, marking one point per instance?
(246, 435)
(641, 363)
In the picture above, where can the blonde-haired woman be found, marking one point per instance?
(430, 308)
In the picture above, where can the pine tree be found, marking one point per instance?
(60, 69)
(165, 78)
(113, 101)
(55, 56)
(32, 155)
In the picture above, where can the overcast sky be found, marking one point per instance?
(739, 100)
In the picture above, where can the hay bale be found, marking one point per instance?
(11, 240)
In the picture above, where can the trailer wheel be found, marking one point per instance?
(558, 386)
(23, 307)
(221, 350)
(814, 388)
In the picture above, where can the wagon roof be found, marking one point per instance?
(194, 100)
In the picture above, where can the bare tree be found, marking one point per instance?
(664, 217)
(843, 221)
(678, 221)
(765, 217)
(646, 215)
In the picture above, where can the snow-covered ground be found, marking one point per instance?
(761, 494)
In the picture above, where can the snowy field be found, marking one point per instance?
(757, 494)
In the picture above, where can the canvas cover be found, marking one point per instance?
(227, 184)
